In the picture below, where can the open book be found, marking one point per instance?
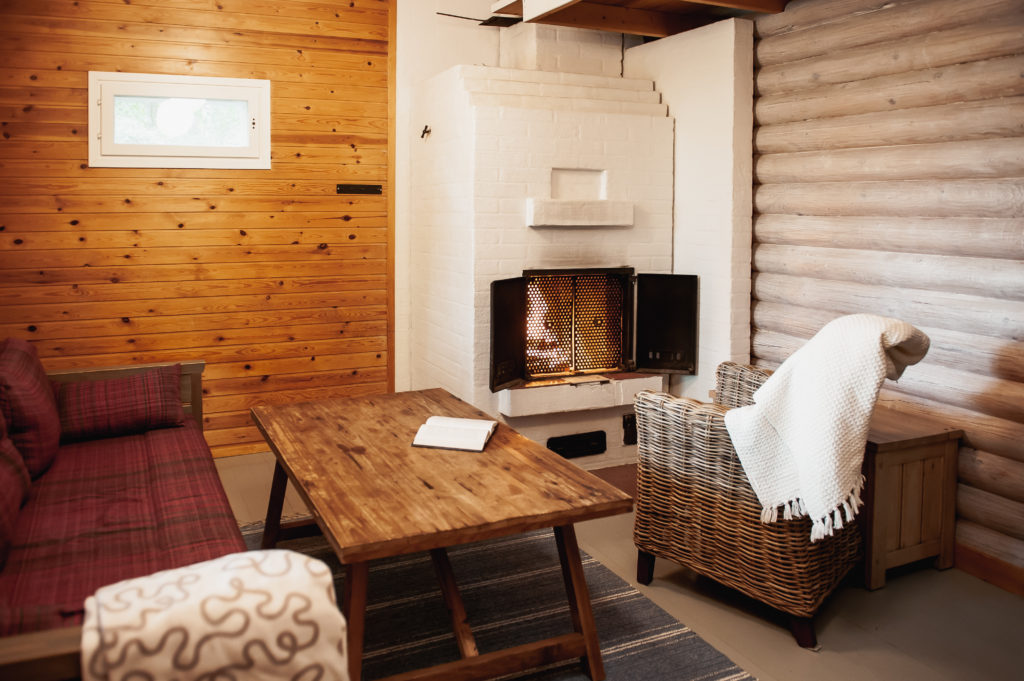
(446, 432)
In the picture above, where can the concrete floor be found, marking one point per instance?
(923, 625)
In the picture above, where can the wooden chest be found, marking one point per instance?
(910, 496)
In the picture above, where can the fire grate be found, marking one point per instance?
(598, 323)
(574, 323)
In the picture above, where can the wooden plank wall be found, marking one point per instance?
(889, 142)
(280, 284)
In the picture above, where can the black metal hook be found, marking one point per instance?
(426, 131)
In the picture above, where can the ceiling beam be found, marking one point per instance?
(620, 20)
(764, 6)
(534, 10)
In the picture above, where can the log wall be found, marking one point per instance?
(889, 178)
(274, 279)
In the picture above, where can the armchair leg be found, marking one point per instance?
(803, 631)
(644, 567)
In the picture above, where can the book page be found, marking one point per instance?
(468, 424)
(454, 433)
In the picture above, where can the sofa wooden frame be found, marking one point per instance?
(55, 654)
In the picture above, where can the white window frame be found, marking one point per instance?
(105, 153)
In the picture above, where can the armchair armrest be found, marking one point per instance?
(684, 446)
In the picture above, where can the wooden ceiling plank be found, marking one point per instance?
(764, 6)
(621, 20)
(622, 17)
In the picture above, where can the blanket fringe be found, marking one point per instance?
(794, 508)
(833, 520)
(826, 525)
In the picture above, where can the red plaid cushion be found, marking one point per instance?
(13, 489)
(109, 510)
(121, 406)
(27, 404)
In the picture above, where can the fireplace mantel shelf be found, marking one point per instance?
(578, 213)
(552, 398)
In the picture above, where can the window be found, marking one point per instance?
(139, 120)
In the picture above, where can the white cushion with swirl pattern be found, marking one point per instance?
(254, 615)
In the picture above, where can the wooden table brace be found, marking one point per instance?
(453, 601)
(582, 644)
(502, 662)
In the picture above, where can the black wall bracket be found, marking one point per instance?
(359, 189)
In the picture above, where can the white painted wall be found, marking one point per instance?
(706, 78)
(442, 241)
(427, 44)
(562, 49)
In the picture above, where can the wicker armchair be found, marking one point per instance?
(695, 507)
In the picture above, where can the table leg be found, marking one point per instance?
(579, 600)
(453, 600)
(272, 525)
(353, 606)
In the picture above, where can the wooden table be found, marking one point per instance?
(374, 495)
(910, 493)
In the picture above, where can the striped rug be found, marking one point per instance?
(514, 594)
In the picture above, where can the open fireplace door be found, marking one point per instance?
(666, 323)
(508, 333)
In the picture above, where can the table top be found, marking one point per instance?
(375, 495)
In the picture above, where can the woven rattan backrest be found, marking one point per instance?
(736, 383)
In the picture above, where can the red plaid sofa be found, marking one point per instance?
(100, 480)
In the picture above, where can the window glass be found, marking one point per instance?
(181, 121)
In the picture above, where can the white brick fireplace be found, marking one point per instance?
(517, 169)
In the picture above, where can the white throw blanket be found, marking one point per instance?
(256, 615)
(802, 442)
